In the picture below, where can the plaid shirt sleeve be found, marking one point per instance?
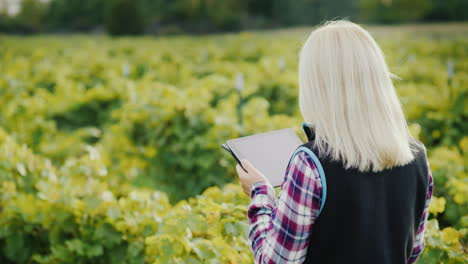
(279, 229)
(420, 243)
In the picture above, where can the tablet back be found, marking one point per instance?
(269, 152)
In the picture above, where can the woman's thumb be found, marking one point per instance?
(244, 162)
(247, 165)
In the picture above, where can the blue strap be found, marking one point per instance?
(309, 131)
(320, 169)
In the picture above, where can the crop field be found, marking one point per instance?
(110, 147)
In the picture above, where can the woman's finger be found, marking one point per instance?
(248, 166)
(239, 170)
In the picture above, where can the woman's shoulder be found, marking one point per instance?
(306, 163)
(417, 143)
(309, 174)
(307, 152)
(418, 148)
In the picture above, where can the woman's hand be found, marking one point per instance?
(250, 177)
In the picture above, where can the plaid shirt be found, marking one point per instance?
(279, 228)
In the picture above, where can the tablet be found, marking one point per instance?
(269, 152)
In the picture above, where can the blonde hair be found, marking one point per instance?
(346, 92)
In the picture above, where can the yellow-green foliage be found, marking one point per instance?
(71, 215)
(110, 148)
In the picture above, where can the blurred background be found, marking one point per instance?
(207, 16)
(112, 113)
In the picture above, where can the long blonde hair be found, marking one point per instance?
(346, 92)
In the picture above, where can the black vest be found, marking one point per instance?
(369, 217)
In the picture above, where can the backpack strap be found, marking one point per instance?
(309, 131)
(311, 135)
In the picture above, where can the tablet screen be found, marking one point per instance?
(269, 152)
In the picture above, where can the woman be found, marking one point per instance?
(377, 177)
